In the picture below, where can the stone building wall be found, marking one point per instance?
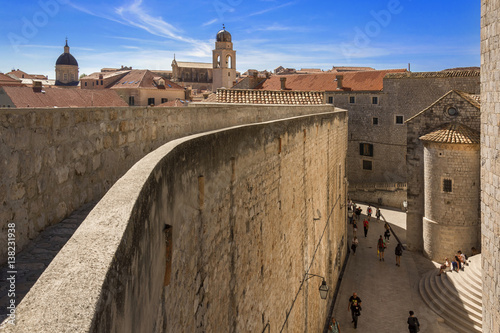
(404, 94)
(451, 221)
(55, 160)
(249, 211)
(423, 123)
(490, 170)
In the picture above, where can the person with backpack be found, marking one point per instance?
(387, 235)
(413, 324)
(369, 211)
(398, 252)
(381, 248)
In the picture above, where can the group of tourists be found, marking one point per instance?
(354, 215)
(457, 263)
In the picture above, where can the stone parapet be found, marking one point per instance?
(55, 160)
(211, 232)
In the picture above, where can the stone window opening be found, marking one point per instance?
(375, 121)
(375, 100)
(365, 149)
(447, 185)
(452, 111)
(151, 101)
(352, 99)
(131, 100)
(367, 165)
(330, 100)
(399, 120)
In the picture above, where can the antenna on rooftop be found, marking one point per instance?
(223, 27)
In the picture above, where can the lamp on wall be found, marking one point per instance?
(323, 288)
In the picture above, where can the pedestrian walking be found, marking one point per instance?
(354, 245)
(413, 324)
(349, 215)
(355, 307)
(334, 326)
(366, 224)
(398, 252)
(381, 248)
(354, 228)
(387, 235)
(377, 214)
(369, 211)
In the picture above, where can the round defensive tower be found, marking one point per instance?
(452, 191)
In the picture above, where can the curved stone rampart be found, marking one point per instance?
(55, 160)
(210, 232)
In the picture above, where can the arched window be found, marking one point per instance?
(229, 61)
(218, 61)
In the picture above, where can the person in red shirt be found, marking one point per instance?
(366, 224)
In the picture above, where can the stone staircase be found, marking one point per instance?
(456, 297)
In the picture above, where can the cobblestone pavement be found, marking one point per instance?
(387, 291)
(32, 261)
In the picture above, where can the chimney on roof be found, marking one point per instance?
(283, 83)
(37, 86)
(339, 79)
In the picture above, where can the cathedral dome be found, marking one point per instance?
(223, 36)
(66, 59)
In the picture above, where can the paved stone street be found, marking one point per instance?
(387, 292)
(36, 257)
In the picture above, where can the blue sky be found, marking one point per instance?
(431, 35)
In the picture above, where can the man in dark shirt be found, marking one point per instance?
(355, 307)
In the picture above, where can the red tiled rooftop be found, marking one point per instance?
(142, 79)
(24, 97)
(352, 81)
(453, 133)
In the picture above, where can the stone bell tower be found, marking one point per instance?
(224, 61)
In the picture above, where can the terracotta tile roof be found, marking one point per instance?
(142, 79)
(453, 133)
(23, 75)
(24, 97)
(352, 81)
(105, 75)
(251, 96)
(454, 73)
(6, 80)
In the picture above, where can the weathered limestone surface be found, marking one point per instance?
(250, 210)
(490, 166)
(55, 160)
(424, 123)
(451, 220)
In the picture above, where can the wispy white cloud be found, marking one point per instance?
(209, 22)
(267, 10)
(135, 14)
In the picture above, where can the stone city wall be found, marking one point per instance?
(55, 160)
(490, 167)
(379, 194)
(208, 233)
